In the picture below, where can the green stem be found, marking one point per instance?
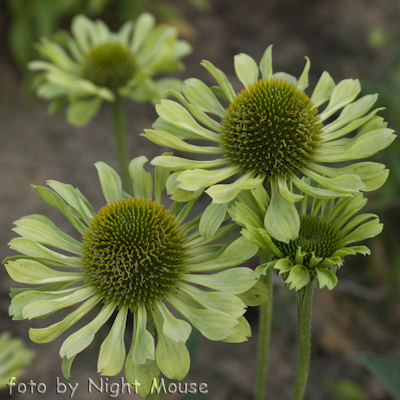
(304, 307)
(120, 141)
(264, 336)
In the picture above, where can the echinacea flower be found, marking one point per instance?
(95, 64)
(272, 132)
(14, 357)
(328, 232)
(134, 257)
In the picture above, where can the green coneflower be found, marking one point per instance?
(14, 357)
(272, 132)
(95, 64)
(135, 257)
(327, 234)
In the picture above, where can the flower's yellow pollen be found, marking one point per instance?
(133, 252)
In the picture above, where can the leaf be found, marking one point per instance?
(386, 370)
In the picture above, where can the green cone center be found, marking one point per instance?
(316, 236)
(133, 252)
(109, 65)
(271, 127)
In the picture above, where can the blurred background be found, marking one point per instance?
(349, 39)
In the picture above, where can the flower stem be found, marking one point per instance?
(120, 141)
(304, 307)
(264, 336)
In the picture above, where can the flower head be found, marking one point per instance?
(327, 234)
(272, 132)
(14, 357)
(95, 64)
(134, 256)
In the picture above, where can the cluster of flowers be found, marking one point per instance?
(135, 256)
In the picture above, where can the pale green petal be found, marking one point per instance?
(361, 146)
(143, 342)
(326, 278)
(225, 302)
(266, 63)
(193, 180)
(222, 80)
(199, 114)
(74, 199)
(341, 183)
(214, 325)
(165, 139)
(354, 222)
(243, 332)
(239, 251)
(143, 27)
(80, 27)
(42, 230)
(343, 93)
(323, 89)
(39, 252)
(165, 126)
(45, 335)
(232, 281)
(81, 112)
(42, 307)
(298, 277)
(351, 112)
(225, 193)
(373, 175)
(173, 163)
(21, 298)
(112, 351)
(303, 80)
(142, 180)
(176, 329)
(160, 182)
(180, 195)
(285, 192)
(255, 296)
(199, 94)
(286, 77)
(245, 216)
(173, 358)
(211, 219)
(66, 366)
(142, 377)
(282, 220)
(110, 182)
(316, 192)
(35, 273)
(283, 265)
(82, 338)
(350, 127)
(365, 231)
(246, 69)
(55, 201)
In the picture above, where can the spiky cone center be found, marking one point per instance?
(133, 252)
(109, 65)
(271, 127)
(315, 235)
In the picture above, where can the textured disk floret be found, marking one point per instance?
(316, 235)
(133, 252)
(271, 127)
(110, 65)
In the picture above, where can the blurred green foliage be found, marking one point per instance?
(32, 19)
(345, 390)
(385, 370)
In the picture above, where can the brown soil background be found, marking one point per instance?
(352, 319)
